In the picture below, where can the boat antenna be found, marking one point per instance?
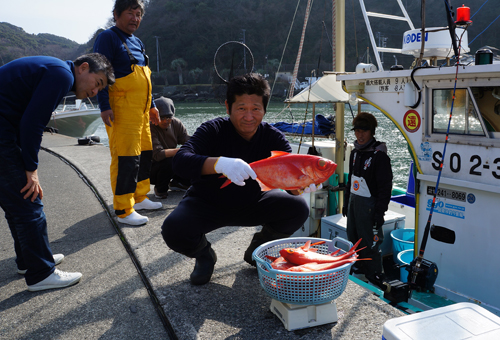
(422, 13)
(451, 26)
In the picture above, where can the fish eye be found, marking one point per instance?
(322, 163)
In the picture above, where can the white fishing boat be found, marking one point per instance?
(449, 114)
(76, 119)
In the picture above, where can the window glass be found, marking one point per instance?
(464, 116)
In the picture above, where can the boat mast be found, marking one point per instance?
(338, 36)
(299, 54)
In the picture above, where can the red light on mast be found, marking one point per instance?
(463, 16)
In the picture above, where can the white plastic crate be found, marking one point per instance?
(463, 320)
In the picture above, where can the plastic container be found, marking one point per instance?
(402, 239)
(463, 320)
(404, 258)
(307, 288)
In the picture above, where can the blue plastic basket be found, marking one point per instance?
(402, 239)
(309, 288)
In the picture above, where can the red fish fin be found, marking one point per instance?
(272, 258)
(306, 246)
(278, 153)
(226, 183)
(317, 243)
(335, 252)
(263, 187)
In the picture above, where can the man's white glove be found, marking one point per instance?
(311, 188)
(235, 169)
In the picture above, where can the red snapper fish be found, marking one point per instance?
(288, 171)
(300, 256)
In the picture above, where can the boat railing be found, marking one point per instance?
(78, 104)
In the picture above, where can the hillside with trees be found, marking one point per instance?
(181, 37)
(16, 43)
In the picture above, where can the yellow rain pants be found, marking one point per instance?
(130, 139)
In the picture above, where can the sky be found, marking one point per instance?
(72, 19)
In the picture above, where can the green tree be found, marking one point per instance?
(195, 74)
(177, 65)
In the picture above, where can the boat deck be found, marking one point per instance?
(133, 285)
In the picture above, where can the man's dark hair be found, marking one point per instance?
(250, 83)
(97, 63)
(365, 121)
(123, 5)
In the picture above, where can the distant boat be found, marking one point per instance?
(75, 119)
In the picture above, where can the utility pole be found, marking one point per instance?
(157, 54)
(244, 52)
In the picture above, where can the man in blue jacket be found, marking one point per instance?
(30, 90)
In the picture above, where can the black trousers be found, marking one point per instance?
(360, 222)
(185, 228)
(162, 174)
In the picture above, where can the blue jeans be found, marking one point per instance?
(26, 219)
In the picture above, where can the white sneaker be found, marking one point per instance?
(58, 279)
(58, 258)
(147, 204)
(134, 219)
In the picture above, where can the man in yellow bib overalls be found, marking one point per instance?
(126, 108)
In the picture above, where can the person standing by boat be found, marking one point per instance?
(166, 137)
(369, 188)
(226, 146)
(30, 90)
(126, 109)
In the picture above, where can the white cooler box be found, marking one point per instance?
(335, 225)
(462, 320)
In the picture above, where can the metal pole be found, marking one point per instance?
(244, 52)
(339, 112)
(157, 54)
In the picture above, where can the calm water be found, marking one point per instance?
(193, 114)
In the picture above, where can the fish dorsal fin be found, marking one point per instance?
(306, 246)
(278, 153)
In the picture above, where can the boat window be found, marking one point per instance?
(488, 103)
(464, 121)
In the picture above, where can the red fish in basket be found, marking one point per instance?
(279, 263)
(299, 256)
(288, 171)
(314, 267)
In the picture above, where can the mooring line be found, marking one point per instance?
(159, 309)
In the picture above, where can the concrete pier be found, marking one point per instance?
(133, 285)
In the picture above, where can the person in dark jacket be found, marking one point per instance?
(166, 136)
(30, 90)
(226, 146)
(369, 188)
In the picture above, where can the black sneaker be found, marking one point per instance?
(160, 195)
(178, 186)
